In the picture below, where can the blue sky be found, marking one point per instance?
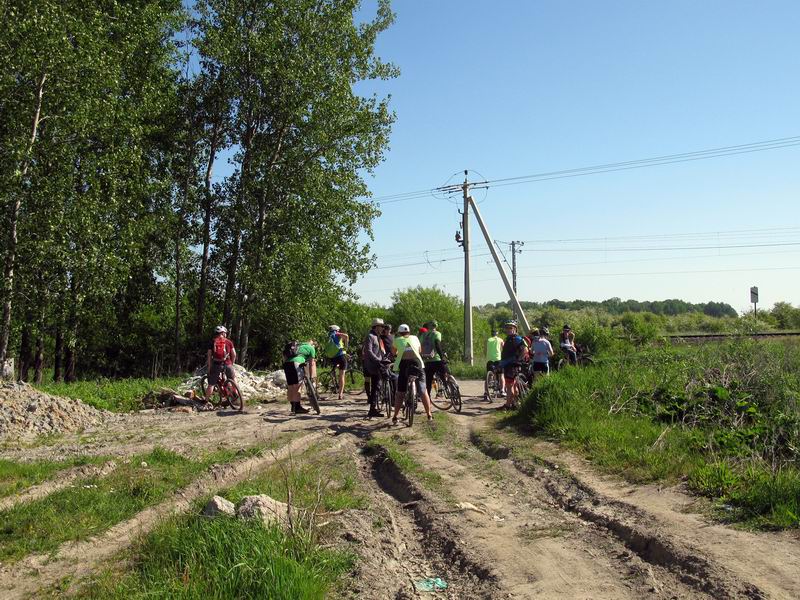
(518, 87)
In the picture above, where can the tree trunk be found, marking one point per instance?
(71, 354)
(58, 353)
(178, 295)
(38, 361)
(230, 284)
(200, 317)
(25, 351)
(11, 251)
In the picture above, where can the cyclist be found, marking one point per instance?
(388, 344)
(514, 350)
(566, 340)
(494, 349)
(542, 352)
(433, 355)
(334, 351)
(374, 359)
(219, 359)
(296, 356)
(409, 362)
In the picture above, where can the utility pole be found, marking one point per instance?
(514, 251)
(468, 353)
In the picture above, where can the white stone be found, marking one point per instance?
(219, 506)
(265, 508)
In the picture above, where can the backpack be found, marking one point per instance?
(333, 348)
(428, 345)
(290, 350)
(219, 351)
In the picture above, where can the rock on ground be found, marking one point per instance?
(265, 508)
(219, 506)
(27, 412)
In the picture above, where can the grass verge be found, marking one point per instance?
(724, 417)
(117, 395)
(193, 557)
(90, 506)
(16, 476)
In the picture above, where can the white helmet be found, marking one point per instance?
(333, 328)
(220, 329)
(404, 329)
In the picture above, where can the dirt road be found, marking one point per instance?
(477, 512)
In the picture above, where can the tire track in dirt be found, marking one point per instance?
(78, 559)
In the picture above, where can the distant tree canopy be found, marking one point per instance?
(617, 306)
(121, 247)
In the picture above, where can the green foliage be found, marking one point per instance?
(16, 476)
(195, 557)
(641, 328)
(726, 416)
(117, 395)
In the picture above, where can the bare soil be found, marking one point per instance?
(496, 527)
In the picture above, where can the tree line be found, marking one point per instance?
(617, 306)
(167, 167)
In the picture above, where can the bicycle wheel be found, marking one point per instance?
(490, 387)
(562, 363)
(585, 361)
(442, 402)
(353, 382)
(327, 383)
(454, 392)
(411, 392)
(313, 397)
(522, 388)
(234, 396)
(386, 401)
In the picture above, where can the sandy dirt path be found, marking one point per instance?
(528, 532)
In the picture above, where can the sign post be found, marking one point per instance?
(754, 299)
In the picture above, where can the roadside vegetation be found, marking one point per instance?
(17, 476)
(92, 505)
(116, 395)
(193, 556)
(726, 417)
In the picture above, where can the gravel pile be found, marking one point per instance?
(265, 386)
(27, 412)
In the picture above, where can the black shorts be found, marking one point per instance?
(409, 368)
(540, 367)
(295, 372)
(511, 371)
(216, 369)
(431, 369)
(492, 365)
(340, 361)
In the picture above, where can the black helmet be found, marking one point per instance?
(566, 327)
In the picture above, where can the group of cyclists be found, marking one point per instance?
(399, 358)
(529, 355)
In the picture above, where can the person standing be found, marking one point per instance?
(542, 352)
(514, 350)
(566, 341)
(299, 362)
(373, 355)
(433, 355)
(494, 349)
(408, 362)
(334, 351)
(220, 358)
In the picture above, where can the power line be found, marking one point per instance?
(721, 151)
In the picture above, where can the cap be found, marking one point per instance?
(404, 329)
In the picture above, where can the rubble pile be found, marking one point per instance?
(265, 386)
(27, 412)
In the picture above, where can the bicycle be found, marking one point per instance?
(494, 384)
(448, 389)
(311, 392)
(226, 392)
(385, 395)
(585, 358)
(411, 401)
(328, 381)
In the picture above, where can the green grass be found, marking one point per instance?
(117, 395)
(724, 416)
(16, 476)
(462, 370)
(93, 505)
(193, 557)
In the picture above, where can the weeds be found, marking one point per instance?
(725, 416)
(117, 395)
(16, 476)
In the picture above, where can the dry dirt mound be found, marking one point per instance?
(27, 412)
